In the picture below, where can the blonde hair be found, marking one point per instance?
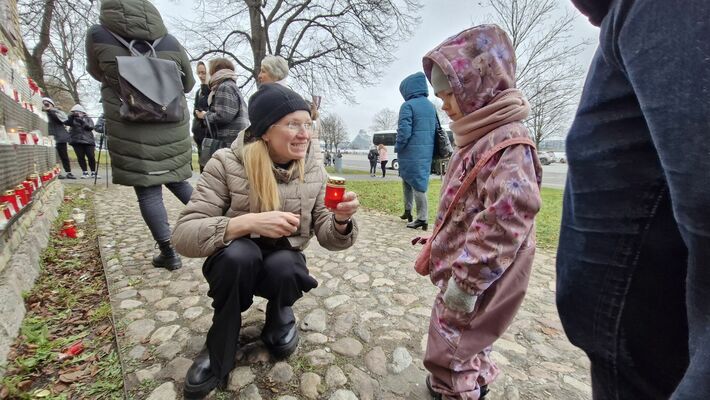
(262, 182)
(276, 66)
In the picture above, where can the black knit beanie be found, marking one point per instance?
(269, 104)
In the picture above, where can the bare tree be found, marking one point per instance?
(36, 17)
(333, 131)
(385, 119)
(60, 33)
(329, 45)
(548, 71)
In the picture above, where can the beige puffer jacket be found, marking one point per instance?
(222, 192)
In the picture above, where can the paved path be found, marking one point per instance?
(363, 328)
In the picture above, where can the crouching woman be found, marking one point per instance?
(254, 210)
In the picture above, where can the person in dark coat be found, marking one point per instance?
(372, 156)
(81, 132)
(199, 127)
(227, 115)
(55, 123)
(145, 155)
(415, 146)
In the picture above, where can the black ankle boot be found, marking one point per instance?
(407, 215)
(417, 223)
(200, 380)
(280, 334)
(167, 258)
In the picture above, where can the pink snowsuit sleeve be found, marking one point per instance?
(511, 199)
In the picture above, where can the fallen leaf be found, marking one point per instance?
(24, 385)
(40, 393)
(71, 376)
(550, 331)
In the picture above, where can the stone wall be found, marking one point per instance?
(20, 248)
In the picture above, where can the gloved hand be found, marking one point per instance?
(456, 299)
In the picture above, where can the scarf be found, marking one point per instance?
(507, 106)
(217, 79)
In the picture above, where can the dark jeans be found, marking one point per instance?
(383, 164)
(633, 266)
(85, 152)
(373, 167)
(150, 201)
(236, 274)
(63, 156)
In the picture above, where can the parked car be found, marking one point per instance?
(561, 157)
(546, 157)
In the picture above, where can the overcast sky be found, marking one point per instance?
(439, 20)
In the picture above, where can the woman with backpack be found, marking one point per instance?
(144, 154)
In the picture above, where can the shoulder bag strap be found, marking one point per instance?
(471, 177)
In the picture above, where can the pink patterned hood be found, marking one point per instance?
(479, 63)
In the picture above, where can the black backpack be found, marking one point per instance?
(150, 88)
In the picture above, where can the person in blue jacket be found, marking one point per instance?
(415, 146)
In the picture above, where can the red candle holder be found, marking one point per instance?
(35, 137)
(334, 191)
(22, 193)
(37, 181)
(30, 186)
(7, 210)
(23, 138)
(69, 229)
(11, 198)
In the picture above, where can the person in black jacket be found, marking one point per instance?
(81, 131)
(199, 127)
(372, 156)
(55, 123)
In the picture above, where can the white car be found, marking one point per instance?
(561, 157)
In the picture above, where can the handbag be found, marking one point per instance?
(442, 144)
(210, 145)
(423, 261)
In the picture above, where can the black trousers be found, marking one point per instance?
(64, 156)
(373, 167)
(238, 272)
(384, 171)
(85, 152)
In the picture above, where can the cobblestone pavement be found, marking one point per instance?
(362, 330)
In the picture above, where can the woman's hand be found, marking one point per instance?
(346, 208)
(272, 224)
(200, 114)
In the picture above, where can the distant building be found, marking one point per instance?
(362, 141)
(552, 145)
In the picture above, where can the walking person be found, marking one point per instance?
(199, 126)
(372, 156)
(415, 147)
(227, 115)
(55, 122)
(633, 263)
(81, 133)
(144, 155)
(382, 156)
(481, 254)
(255, 208)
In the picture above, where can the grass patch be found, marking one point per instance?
(387, 197)
(66, 308)
(346, 171)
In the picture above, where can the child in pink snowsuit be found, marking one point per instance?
(482, 256)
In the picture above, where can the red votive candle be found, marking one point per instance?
(30, 186)
(22, 193)
(334, 191)
(11, 198)
(7, 210)
(69, 229)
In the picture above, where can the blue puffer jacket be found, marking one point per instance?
(415, 132)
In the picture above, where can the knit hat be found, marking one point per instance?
(439, 81)
(47, 100)
(270, 103)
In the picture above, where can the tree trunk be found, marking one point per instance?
(258, 35)
(35, 69)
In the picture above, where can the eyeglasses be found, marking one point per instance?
(295, 127)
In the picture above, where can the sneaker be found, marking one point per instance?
(70, 175)
(95, 175)
(62, 176)
(84, 175)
